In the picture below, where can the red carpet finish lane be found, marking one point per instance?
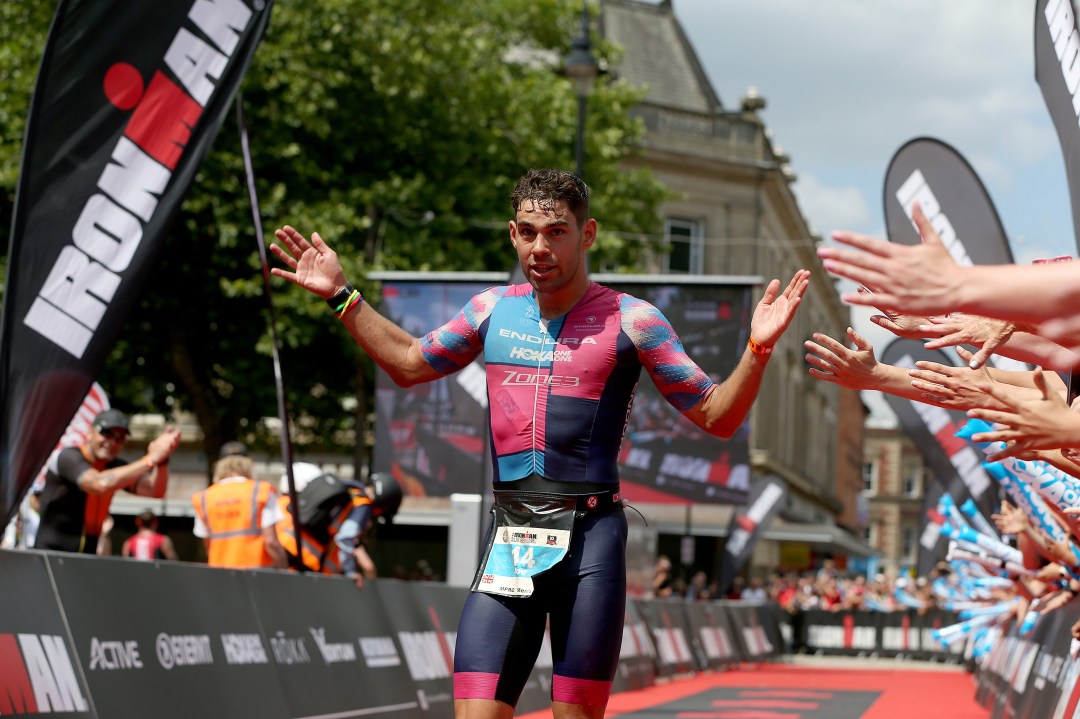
(788, 691)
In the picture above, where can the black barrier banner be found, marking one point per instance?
(712, 635)
(1032, 676)
(107, 637)
(666, 622)
(637, 654)
(128, 99)
(767, 497)
(333, 647)
(933, 174)
(184, 639)
(38, 664)
(757, 632)
(1056, 71)
(954, 461)
(425, 620)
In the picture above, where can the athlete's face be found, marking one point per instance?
(551, 247)
(106, 445)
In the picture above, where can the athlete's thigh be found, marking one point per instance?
(498, 641)
(588, 607)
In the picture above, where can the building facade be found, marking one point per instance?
(735, 213)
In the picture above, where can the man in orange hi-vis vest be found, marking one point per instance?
(236, 517)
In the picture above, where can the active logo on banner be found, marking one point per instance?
(37, 676)
(128, 99)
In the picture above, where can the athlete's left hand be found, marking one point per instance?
(776, 309)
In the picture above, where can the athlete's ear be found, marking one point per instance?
(513, 233)
(588, 233)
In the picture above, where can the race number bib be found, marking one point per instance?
(530, 534)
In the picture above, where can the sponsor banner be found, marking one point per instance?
(39, 671)
(955, 463)
(637, 655)
(767, 498)
(128, 99)
(424, 617)
(1033, 675)
(712, 635)
(180, 638)
(333, 647)
(933, 174)
(756, 630)
(670, 631)
(437, 433)
(901, 633)
(1056, 40)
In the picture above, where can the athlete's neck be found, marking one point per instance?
(555, 305)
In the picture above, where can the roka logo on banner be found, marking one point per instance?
(128, 99)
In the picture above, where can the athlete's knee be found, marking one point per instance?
(567, 710)
(482, 709)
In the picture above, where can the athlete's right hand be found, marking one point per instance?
(315, 266)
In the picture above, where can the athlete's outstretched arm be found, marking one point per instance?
(726, 405)
(315, 267)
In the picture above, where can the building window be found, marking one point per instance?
(869, 477)
(907, 545)
(913, 474)
(684, 237)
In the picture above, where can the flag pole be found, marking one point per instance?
(283, 412)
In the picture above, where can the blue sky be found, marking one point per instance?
(848, 82)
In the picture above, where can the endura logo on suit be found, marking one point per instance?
(545, 339)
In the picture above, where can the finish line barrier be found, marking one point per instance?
(114, 638)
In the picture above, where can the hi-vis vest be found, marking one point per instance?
(232, 513)
(316, 556)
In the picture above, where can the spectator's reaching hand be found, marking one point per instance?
(958, 387)
(958, 328)
(1044, 421)
(834, 362)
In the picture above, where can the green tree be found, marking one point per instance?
(396, 128)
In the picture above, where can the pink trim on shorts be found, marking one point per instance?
(475, 685)
(580, 691)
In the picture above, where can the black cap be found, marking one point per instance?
(111, 419)
(230, 449)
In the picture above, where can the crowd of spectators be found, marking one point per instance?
(824, 588)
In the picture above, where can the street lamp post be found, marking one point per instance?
(581, 67)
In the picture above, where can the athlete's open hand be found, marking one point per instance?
(315, 266)
(776, 309)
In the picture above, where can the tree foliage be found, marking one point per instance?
(396, 128)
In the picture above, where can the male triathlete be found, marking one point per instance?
(563, 355)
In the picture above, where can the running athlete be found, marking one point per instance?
(148, 543)
(562, 355)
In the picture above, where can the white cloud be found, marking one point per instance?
(832, 208)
